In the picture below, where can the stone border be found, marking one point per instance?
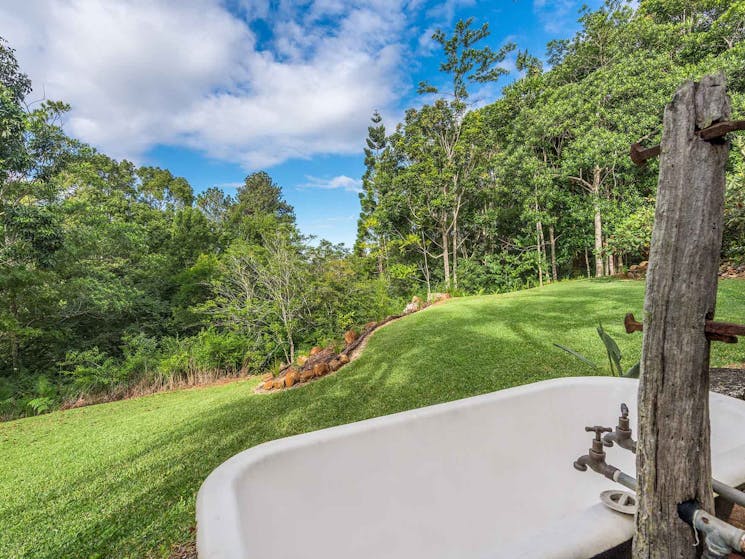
(323, 361)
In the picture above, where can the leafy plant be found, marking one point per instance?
(614, 356)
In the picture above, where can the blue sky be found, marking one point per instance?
(213, 90)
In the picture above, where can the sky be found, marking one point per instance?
(216, 89)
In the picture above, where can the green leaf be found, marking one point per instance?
(633, 372)
(614, 353)
(577, 355)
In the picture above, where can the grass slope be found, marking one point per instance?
(120, 479)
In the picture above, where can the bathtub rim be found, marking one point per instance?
(218, 511)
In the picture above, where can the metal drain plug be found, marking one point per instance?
(621, 501)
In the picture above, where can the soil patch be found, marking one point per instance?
(729, 381)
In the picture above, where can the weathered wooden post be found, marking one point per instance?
(673, 454)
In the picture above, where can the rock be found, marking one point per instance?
(436, 297)
(643, 265)
(290, 378)
(268, 384)
(633, 268)
(343, 358)
(307, 375)
(410, 308)
(267, 376)
(350, 336)
(416, 300)
(278, 383)
(334, 364)
(370, 325)
(320, 369)
(302, 360)
(315, 350)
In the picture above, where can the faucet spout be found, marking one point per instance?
(595, 458)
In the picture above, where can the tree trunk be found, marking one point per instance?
(385, 254)
(611, 262)
(540, 255)
(446, 257)
(587, 262)
(598, 222)
(674, 455)
(426, 267)
(552, 241)
(13, 335)
(455, 252)
(540, 242)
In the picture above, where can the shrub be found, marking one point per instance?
(93, 371)
(142, 357)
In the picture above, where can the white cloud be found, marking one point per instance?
(139, 73)
(556, 15)
(342, 182)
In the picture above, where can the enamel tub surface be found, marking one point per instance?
(480, 478)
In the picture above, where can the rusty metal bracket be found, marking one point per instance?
(639, 155)
(721, 129)
(726, 332)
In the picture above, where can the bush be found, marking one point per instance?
(142, 357)
(93, 371)
(212, 350)
(209, 352)
(46, 396)
(496, 273)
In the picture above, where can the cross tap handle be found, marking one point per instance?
(599, 430)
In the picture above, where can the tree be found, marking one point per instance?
(30, 233)
(443, 125)
(214, 204)
(259, 208)
(368, 236)
(262, 291)
(160, 189)
(11, 76)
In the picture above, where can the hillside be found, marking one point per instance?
(119, 479)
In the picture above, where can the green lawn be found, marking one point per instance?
(120, 479)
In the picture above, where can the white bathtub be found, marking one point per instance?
(479, 478)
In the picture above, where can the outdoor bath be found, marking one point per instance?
(484, 477)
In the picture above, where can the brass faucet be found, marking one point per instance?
(622, 435)
(595, 459)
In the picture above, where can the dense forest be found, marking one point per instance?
(538, 185)
(118, 279)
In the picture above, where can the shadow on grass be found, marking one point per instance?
(141, 501)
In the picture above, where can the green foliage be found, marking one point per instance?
(93, 371)
(148, 456)
(613, 353)
(46, 396)
(633, 232)
(541, 176)
(115, 277)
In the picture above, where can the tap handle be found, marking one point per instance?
(599, 430)
(624, 411)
